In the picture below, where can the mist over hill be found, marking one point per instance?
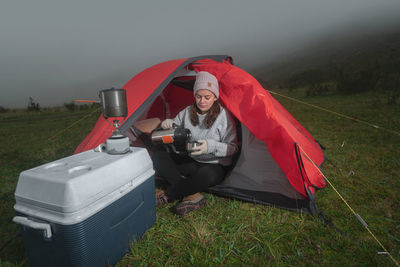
(342, 63)
(57, 51)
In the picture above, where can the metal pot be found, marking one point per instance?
(113, 102)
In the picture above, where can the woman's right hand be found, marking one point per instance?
(167, 124)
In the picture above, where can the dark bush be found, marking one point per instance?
(390, 83)
(308, 77)
(70, 106)
(317, 89)
(32, 106)
(84, 107)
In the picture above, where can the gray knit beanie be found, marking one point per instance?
(205, 80)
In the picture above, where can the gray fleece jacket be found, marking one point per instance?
(221, 136)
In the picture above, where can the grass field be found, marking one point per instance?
(364, 166)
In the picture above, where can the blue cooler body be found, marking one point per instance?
(85, 210)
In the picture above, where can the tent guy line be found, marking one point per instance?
(272, 92)
(70, 126)
(336, 113)
(359, 218)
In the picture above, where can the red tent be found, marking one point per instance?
(279, 160)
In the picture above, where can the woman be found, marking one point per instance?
(214, 130)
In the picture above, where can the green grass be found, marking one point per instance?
(25, 144)
(230, 232)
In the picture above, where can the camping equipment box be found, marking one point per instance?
(84, 210)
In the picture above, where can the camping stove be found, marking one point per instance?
(113, 103)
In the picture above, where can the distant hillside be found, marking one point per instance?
(370, 62)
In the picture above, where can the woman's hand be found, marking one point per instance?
(167, 124)
(201, 148)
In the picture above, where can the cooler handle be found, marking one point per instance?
(35, 225)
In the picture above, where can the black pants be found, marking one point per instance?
(185, 175)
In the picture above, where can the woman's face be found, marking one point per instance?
(204, 100)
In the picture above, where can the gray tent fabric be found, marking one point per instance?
(256, 170)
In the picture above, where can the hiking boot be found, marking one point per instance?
(190, 203)
(161, 198)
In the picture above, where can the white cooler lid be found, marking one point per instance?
(72, 183)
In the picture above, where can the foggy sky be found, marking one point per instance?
(57, 51)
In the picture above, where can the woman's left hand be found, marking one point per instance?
(201, 148)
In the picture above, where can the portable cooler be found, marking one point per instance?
(84, 210)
